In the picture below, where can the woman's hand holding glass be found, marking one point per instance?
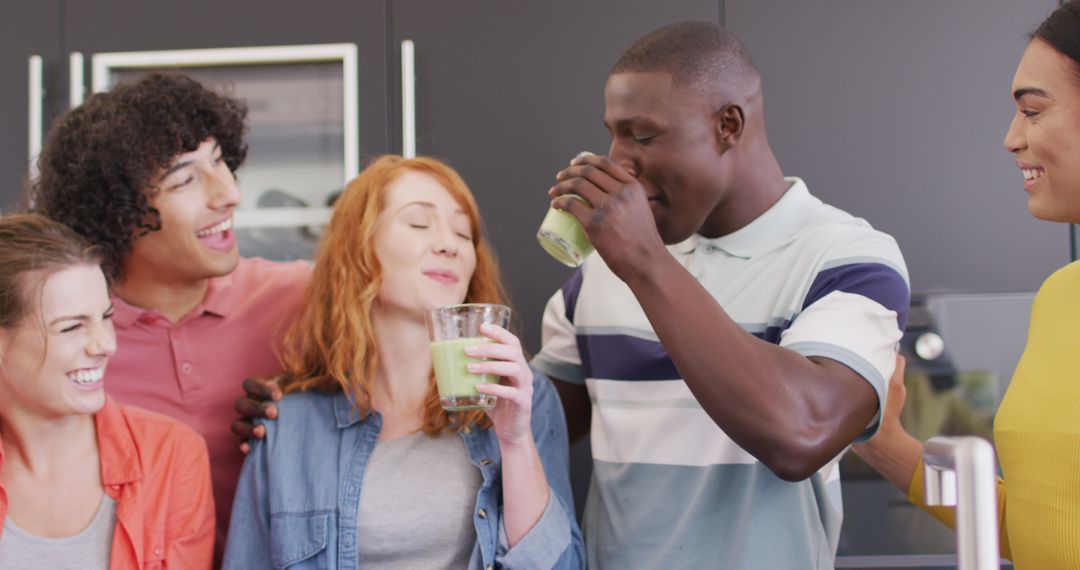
(512, 413)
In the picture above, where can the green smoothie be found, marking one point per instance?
(457, 386)
(562, 236)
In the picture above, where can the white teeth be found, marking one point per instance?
(87, 376)
(216, 229)
(1032, 174)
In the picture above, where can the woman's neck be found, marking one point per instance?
(51, 471)
(42, 446)
(403, 374)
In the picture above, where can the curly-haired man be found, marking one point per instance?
(147, 173)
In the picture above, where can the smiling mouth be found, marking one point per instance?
(1032, 173)
(217, 228)
(87, 376)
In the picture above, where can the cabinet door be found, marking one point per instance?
(508, 92)
(134, 25)
(26, 29)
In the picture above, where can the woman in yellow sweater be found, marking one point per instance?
(1037, 427)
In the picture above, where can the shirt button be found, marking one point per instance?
(186, 368)
(348, 540)
(157, 552)
(466, 429)
(488, 567)
(485, 462)
(482, 513)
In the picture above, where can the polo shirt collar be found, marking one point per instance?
(219, 300)
(125, 314)
(765, 232)
(119, 454)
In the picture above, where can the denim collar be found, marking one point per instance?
(345, 412)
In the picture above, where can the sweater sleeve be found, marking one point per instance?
(947, 515)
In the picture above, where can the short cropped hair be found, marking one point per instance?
(101, 156)
(694, 53)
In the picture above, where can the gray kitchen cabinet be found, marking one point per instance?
(26, 29)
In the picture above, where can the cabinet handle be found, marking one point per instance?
(76, 83)
(961, 471)
(37, 97)
(408, 99)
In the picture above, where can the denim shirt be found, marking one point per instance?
(299, 493)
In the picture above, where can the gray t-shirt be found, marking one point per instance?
(88, 550)
(417, 503)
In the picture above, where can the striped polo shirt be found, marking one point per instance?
(670, 489)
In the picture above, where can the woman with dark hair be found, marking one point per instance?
(363, 467)
(1037, 427)
(84, 482)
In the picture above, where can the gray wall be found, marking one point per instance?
(895, 111)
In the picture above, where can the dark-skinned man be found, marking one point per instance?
(732, 336)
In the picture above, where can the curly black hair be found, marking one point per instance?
(99, 158)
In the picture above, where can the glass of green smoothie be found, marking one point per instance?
(450, 330)
(562, 236)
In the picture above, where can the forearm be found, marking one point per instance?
(525, 488)
(773, 402)
(893, 454)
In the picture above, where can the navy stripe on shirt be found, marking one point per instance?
(624, 357)
(570, 290)
(772, 334)
(875, 281)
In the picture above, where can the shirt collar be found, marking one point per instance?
(220, 297)
(345, 412)
(771, 228)
(119, 454)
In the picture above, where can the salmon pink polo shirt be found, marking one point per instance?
(193, 370)
(156, 469)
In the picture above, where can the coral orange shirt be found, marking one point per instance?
(158, 471)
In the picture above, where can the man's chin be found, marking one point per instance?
(673, 235)
(226, 264)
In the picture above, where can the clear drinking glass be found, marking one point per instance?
(562, 236)
(450, 330)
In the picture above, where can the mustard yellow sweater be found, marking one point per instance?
(1037, 436)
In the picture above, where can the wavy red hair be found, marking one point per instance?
(331, 346)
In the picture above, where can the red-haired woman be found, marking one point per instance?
(363, 467)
